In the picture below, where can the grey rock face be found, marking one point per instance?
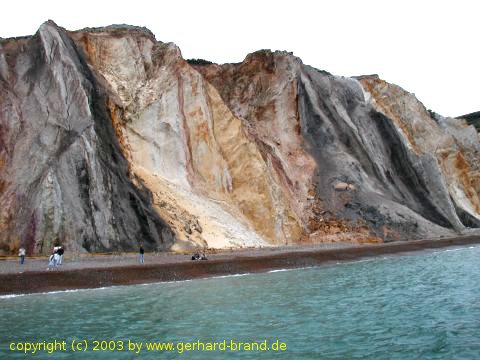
(64, 178)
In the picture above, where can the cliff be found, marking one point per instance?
(109, 138)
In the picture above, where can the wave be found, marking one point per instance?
(460, 248)
(10, 296)
(279, 270)
(226, 276)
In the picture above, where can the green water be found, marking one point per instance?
(417, 306)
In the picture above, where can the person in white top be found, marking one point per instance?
(22, 253)
(53, 259)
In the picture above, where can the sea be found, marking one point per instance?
(419, 305)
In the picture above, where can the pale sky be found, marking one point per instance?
(430, 48)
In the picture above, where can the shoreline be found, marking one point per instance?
(261, 260)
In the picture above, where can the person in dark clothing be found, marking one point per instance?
(60, 252)
(142, 254)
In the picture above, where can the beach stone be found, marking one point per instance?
(341, 186)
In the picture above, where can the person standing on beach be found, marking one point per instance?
(51, 263)
(22, 253)
(142, 254)
(60, 252)
(56, 259)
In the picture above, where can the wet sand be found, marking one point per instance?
(93, 271)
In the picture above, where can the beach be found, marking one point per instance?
(94, 271)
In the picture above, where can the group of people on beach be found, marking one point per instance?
(56, 258)
(197, 256)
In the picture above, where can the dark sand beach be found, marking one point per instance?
(93, 271)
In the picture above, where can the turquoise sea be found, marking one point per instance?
(423, 305)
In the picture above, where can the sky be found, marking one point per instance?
(430, 48)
